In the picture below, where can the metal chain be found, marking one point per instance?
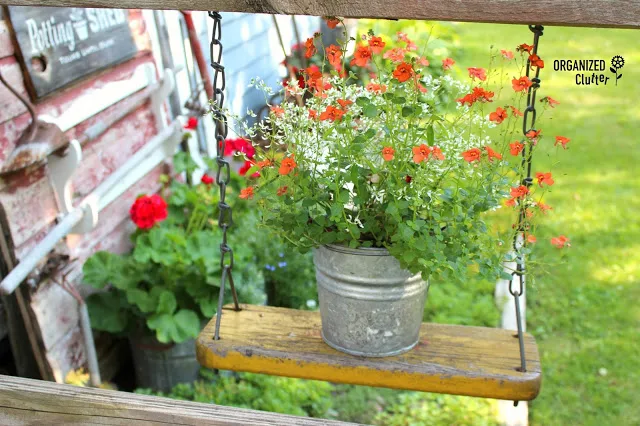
(223, 172)
(528, 125)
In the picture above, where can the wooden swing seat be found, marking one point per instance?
(473, 361)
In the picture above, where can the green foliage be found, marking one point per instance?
(427, 203)
(170, 281)
(258, 392)
(417, 409)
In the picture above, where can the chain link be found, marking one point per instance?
(528, 125)
(223, 172)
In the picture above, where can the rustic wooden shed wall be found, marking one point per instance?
(30, 204)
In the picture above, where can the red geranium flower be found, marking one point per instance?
(332, 113)
(245, 168)
(332, 22)
(206, 179)
(192, 123)
(377, 88)
(552, 102)
(147, 210)
(516, 111)
(507, 54)
(281, 191)
(437, 153)
(524, 48)
(544, 207)
(408, 179)
(482, 95)
(531, 239)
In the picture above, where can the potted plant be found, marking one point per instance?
(391, 183)
(161, 292)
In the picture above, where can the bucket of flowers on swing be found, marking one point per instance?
(389, 179)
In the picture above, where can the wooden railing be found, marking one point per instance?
(593, 13)
(29, 402)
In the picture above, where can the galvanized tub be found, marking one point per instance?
(369, 305)
(162, 366)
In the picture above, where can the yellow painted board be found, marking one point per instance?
(461, 360)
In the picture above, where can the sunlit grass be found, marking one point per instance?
(584, 311)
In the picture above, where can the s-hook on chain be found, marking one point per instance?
(223, 172)
(528, 125)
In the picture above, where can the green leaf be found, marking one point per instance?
(167, 303)
(107, 312)
(370, 111)
(431, 135)
(399, 100)
(362, 101)
(407, 111)
(176, 328)
(100, 268)
(141, 299)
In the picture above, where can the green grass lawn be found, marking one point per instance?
(584, 310)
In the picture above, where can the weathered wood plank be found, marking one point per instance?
(595, 13)
(29, 402)
(474, 361)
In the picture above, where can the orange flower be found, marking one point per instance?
(344, 103)
(479, 73)
(516, 148)
(395, 55)
(421, 153)
(544, 207)
(313, 114)
(376, 88)
(332, 22)
(287, 166)
(533, 134)
(544, 179)
(362, 56)
(535, 61)
(531, 239)
(387, 153)
(562, 140)
(332, 113)
(507, 54)
(521, 84)
(247, 193)
(437, 153)
(447, 63)
(265, 163)
(376, 44)
(511, 202)
(482, 95)
(560, 242)
(278, 111)
(467, 99)
(498, 116)
(492, 154)
(519, 191)
(281, 191)
(410, 45)
(334, 55)
(310, 48)
(422, 61)
(552, 102)
(524, 48)
(403, 72)
(472, 155)
(516, 111)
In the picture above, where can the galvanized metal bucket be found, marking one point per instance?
(369, 305)
(160, 366)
